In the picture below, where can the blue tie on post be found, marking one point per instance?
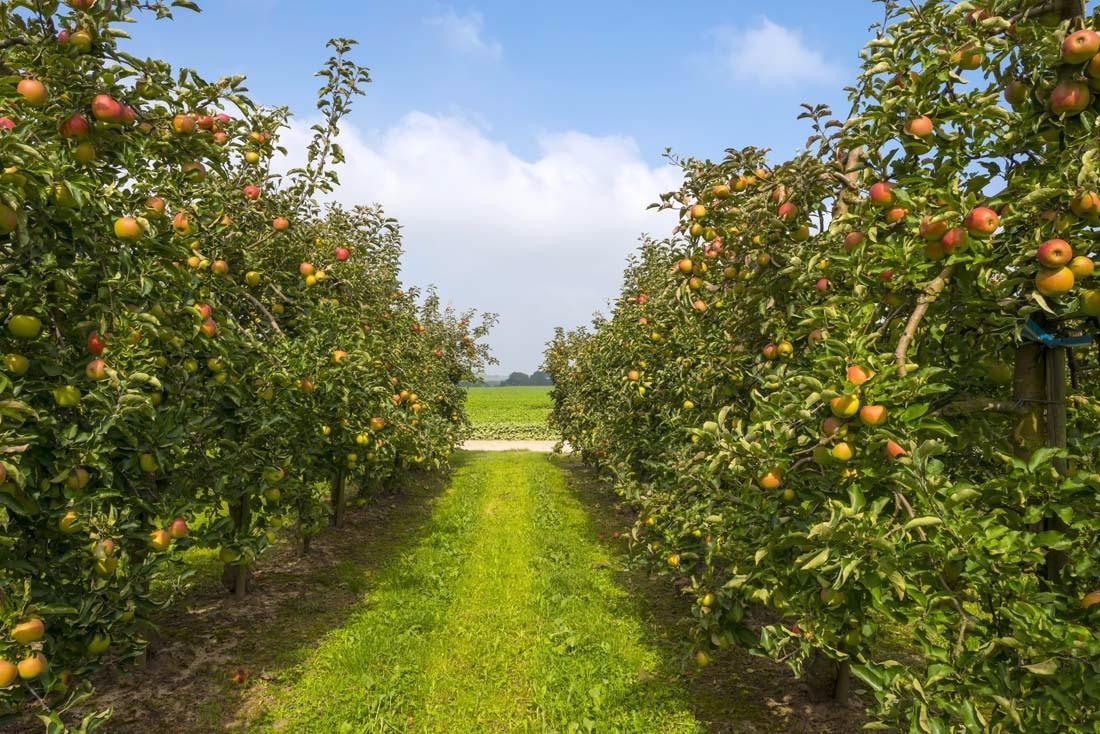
(1033, 332)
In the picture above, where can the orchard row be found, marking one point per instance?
(197, 352)
(853, 398)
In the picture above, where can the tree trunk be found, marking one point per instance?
(843, 689)
(337, 500)
(240, 569)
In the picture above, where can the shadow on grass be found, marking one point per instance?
(739, 692)
(209, 642)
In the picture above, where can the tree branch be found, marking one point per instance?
(982, 405)
(270, 319)
(13, 41)
(930, 293)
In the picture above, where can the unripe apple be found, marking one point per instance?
(16, 364)
(784, 349)
(1090, 303)
(982, 221)
(1082, 267)
(31, 630)
(68, 522)
(148, 463)
(842, 452)
(98, 645)
(1016, 92)
(1055, 253)
(160, 540)
(252, 278)
(771, 479)
(84, 153)
(9, 220)
(1080, 46)
(844, 406)
(32, 666)
(1054, 282)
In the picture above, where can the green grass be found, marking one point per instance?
(504, 617)
(509, 412)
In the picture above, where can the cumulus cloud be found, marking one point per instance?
(770, 53)
(540, 241)
(465, 33)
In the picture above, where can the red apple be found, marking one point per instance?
(1080, 46)
(1069, 97)
(96, 344)
(1055, 253)
(955, 238)
(252, 191)
(342, 253)
(74, 126)
(178, 528)
(920, 127)
(96, 370)
(852, 240)
(982, 221)
(882, 194)
(106, 109)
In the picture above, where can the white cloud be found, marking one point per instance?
(542, 242)
(465, 33)
(772, 54)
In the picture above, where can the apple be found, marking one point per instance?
(894, 450)
(9, 220)
(982, 221)
(306, 385)
(84, 5)
(822, 285)
(8, 673)
(784, 349)
(252, 191)
(252, 278)
(698, 211)
(32, 666)
(857, 374)
(771, 479)
(339, 355)
(219, 267)
(882, 194)
(96, 370)
(160, 540)
(98, 645)
(1085, 204)
(33, 92)
(842, 452)
(934, 251)
(84, 153)
(16, 364)
(127, 228)
(6, 123)
(686, 266)
(844, 406)
(872, 415)
(281, 224)
(74, 126)
(967, 58)
(1055, 253)
(932, 229)
(181, 224)
(1054, 282)
(770, 351)
(920, 127)
(183, 124)
(24, 327)
(896, 214)
(832, 425)
(954, 239)
(81, 41)
(178, 529)
(78, 478)
(148, 463)
(69, 522)
(1080, 46)
(787, 211)
(1090, 599)
(1069, 97)
(1090, 303)
(209, 327)
(633, 375)
(377, 424)
(106, 108)
(1016, 92)
(96, 343)
(305, 269)
(1081, 266)
(31, 630)
(342, 253)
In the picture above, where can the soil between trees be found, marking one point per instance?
(496, 602)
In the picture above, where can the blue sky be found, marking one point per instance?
(519, 143)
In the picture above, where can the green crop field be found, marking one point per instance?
(509, 412)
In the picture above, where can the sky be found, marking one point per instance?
(519, 143)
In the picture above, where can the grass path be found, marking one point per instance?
(505, 617)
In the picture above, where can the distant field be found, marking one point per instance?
(509, 412)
